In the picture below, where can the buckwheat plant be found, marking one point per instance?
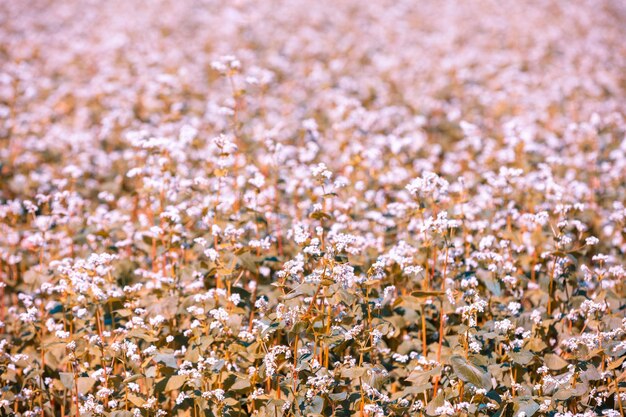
(312, 208)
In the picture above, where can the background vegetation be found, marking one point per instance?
(297, 208)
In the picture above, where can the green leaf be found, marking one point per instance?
(590, 374)
(132, 378)
(616, 363)
(437, 402)
(523, 357)
(567, 393)
(85, 384)
(240, 384)
(408, 301)
(167, 360)
(536, 345)
(141, 334)
(468, 372)
(554, 362)
(353, 373)
(138, 401)
(315, 407)
(231, 401)
(423, 377)
(526, 406)
(67, 379)
(175, 382)
(338, 397)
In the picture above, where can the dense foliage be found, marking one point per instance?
(300, 208)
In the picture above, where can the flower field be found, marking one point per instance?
(312, 208)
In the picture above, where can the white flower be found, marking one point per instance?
(503, 326)
(321, 172)
(592, 240)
